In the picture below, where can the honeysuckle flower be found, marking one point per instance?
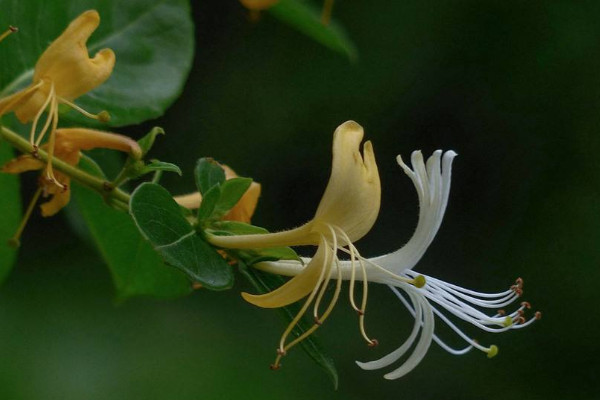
(242, 211)
(63, 73)
(426, 299)
(347, 211)
(68, 146)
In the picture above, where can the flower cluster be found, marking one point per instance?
(346, 213)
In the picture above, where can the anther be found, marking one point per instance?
(274, 367)
(107, 186)
(318, 321)
(419, 281)
(103, 116)
(521, 320)
(538, 315)
(526, 304)
(373, 343)
(65, 188)
(493, 351)
(501, 312)
(281, 352)
(520, 312)
(360, 312)
(11, 29)
(517, 290)
(519, 282)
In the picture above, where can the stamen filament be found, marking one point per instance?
(20, 96)
(38, 116)
(102, 116)
(11, 29)
(15, 240)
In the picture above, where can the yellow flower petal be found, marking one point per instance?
(353, 195)
(297, 287)
(67, 66)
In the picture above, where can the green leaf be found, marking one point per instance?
(156, 165)
(157, 215)
(264, 283)
(137, 269)
(153, 41)
(200, 261)
(10, 212)
(231, 192)
(161, 221)
(208, 204)
(208, 173)
(147, 141)
(305, 18)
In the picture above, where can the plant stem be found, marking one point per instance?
(95, 183)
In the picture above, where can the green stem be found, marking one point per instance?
(95, 183)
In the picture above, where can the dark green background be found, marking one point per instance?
(513, 87)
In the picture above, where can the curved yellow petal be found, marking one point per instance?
(353, 195)
(67, 66)
(66, 61)
(297, 287)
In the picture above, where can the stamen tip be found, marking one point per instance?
(493, 351)
(419, 281)
(274, 367)
(373, 343)
(104, 116)
(13, 29)
(538, 315)
(14, 243)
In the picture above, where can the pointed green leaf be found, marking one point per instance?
(156, 165)
(147, 141)
(208, 173)
(161, 221)
(231, 192)
(208, 204)
(136, 268)
(306, 18)
(199, 261)
(157, 215)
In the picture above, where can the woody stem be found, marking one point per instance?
(100, 185)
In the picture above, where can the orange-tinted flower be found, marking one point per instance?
(68, 146)
(63, 72)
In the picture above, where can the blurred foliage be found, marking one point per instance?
(513, 87)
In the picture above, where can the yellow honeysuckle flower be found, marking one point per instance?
(428, 297)
(347, 211)
(242, 211)
(68, 145)
(63, 72)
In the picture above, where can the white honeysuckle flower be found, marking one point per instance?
(425, 296)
